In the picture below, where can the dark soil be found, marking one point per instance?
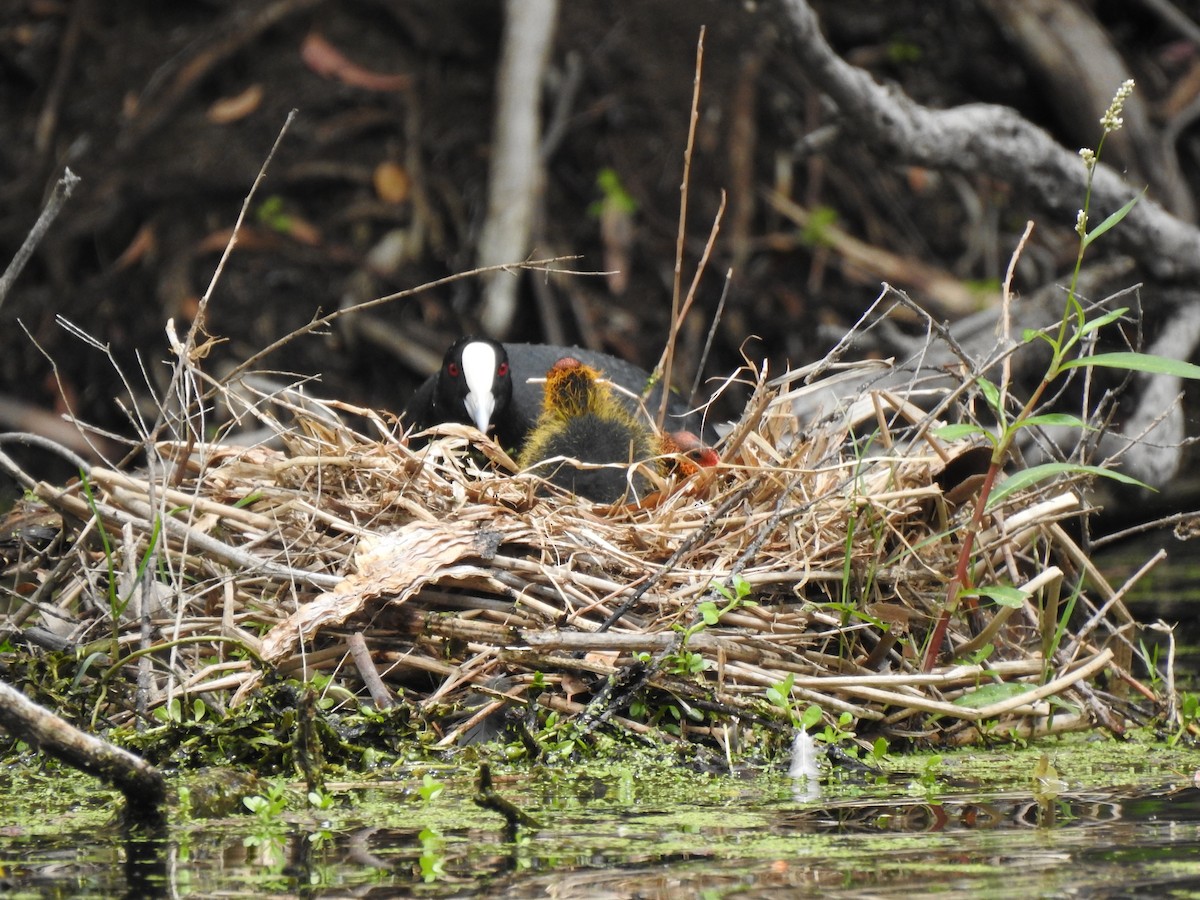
(128, 95)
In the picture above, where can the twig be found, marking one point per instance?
(63, 189)
(361, 655)
(677, 322)
(44, 443)
(993, 139)
(185, 350)
(144, 787)
(663, 369)
(710, 337)
(320, 322)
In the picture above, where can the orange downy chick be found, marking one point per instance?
(691, 454)
(582, 420)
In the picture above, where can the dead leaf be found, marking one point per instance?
(392, 183)
(329, 62)
(144, 243)
(395, 565)
(231, 109)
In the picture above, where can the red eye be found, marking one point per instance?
(502, 370)
(452, 370)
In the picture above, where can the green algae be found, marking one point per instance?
(949, 821)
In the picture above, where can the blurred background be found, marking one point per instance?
(168, 110)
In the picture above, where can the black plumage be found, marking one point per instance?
(515, 404)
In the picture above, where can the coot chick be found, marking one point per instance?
(583, 420)
(691, 453)
(484, 382)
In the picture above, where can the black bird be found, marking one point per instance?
(483, 382)
(583, 420)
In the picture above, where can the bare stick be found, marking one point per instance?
(58, 198)
(980, 137)
(185, 349)
(677, 321)
(1006, 315)
(144, 787)
(189, 342)
(537, 265)
(712, 334)
(668, 357)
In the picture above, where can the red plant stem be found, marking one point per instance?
(962, 571)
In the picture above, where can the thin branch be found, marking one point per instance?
(58, 198)
(981, 137)
(668, 358)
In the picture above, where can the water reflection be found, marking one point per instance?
(744, 837)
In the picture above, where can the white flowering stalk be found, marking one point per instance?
(1111, 121)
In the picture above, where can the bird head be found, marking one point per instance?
(692, 454)
(572, 388)
(475, 382)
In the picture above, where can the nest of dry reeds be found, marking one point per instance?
(814, 561)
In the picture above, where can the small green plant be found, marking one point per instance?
(779, 695)
(927, 778)
(271, 214)
(982, 655)
(879, 749)
(820, 222)
(615, 198)
(116, 603)
(269, 804)
(1066, 340)
(430, 788)
(432, 860)
(172, 712)
(1189, 715)
(560, 738)
(1150, 654)
(269, 834)
(840, 732)
(905, 52)
(685, 662)
(320, 800)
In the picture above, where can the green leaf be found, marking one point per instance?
(962, 430)
(991, 393)
(781, 694)
(708, 610)
(1101, 321)
(430, 788)
(1032, 334)
(1112, 220)
(820, 221)
(1066, 419)
(1003, 594)
(1139, 362)
(1026, 477)
(992, 693)
(812, 715)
